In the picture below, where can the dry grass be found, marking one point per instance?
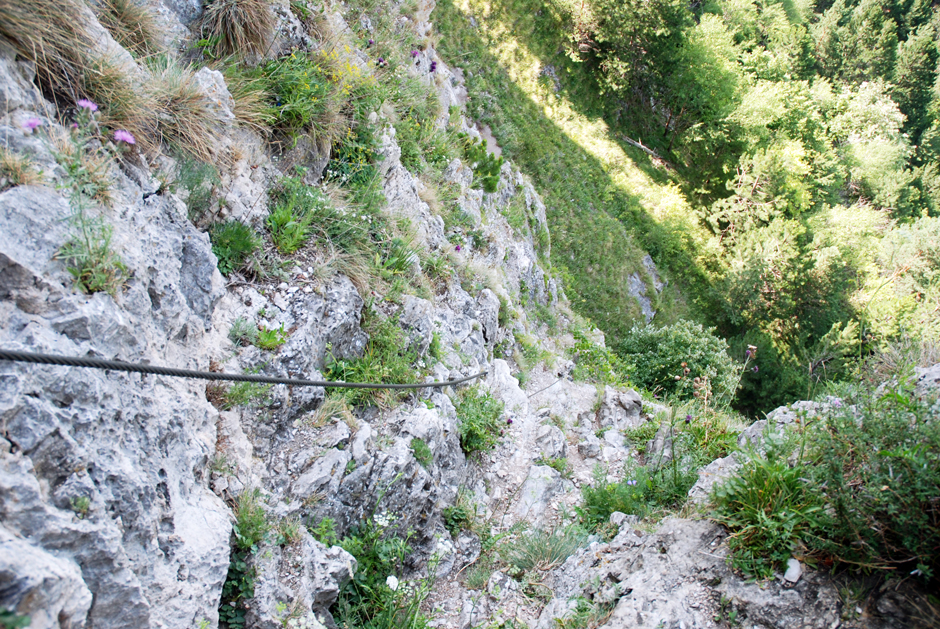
(52, 34)
(250, 97)
(185, 119)
(899, 356)
(132, 24)
(239, 26)
(333, 407)
(123, 101)
(17, 170)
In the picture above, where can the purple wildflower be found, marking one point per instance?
(755, 369)
(124, 136)
(84, 103)
(747, 354)
(457, 247)
(508, 421)
(371, 42)
(75, 125)
(837, 403)
(631, 483)
(32, 123)
(415, 53)
(433, 66)
(688, 419)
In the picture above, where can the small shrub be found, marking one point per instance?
(11, 620)
(238, 27)
(461, 515)
(233, 243)
(587, 614)
(251, 521)
(199, 180)
(131, 24)
(677, 357)
(422, 452)
(289, 232)
(480, 416)
(544, 550)
(245, 394)
(434, 349)
(601, 499)
(325, 532)
(81, 505)
(560, 465)
(594, 363)
(376, 595)
(302, 92)
(485, 166)
(271, 339)
(863, 492)
(90, 259)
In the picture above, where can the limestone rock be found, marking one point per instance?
(551, 442)
(712, 474)
(541, 485)
(620, 409)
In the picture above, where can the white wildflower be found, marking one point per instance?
(392, 582)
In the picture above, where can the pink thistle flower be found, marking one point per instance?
(32, 123)
(415, 53)
(84, 103)
(124, 136)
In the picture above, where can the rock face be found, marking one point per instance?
(105, 473)
(677, 577)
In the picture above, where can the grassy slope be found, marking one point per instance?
(607, 202)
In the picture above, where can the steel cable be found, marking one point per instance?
(118, 365)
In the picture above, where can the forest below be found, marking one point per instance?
(789, 184)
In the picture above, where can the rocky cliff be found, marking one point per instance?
(118, 491)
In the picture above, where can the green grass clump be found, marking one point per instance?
(387, 358)
(422, 452)
(301, 87)
(864, 491)
(601, 499)
(481, 423)
(559, 465)
(233, 243)
(544, 550)
(90, 258)
(250, 529)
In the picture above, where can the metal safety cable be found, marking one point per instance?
(117, 365)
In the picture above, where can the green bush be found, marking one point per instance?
(670, 359)
(864, 493)
(480, 416)
(250, 529)
(233, 243)
(271, 338)
(594, 363)
(377, 596)
(485, 166)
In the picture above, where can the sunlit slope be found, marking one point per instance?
(609, 203)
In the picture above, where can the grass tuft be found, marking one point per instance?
(17, 170)
(238, 27)
(185, 117)
(132, 24)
